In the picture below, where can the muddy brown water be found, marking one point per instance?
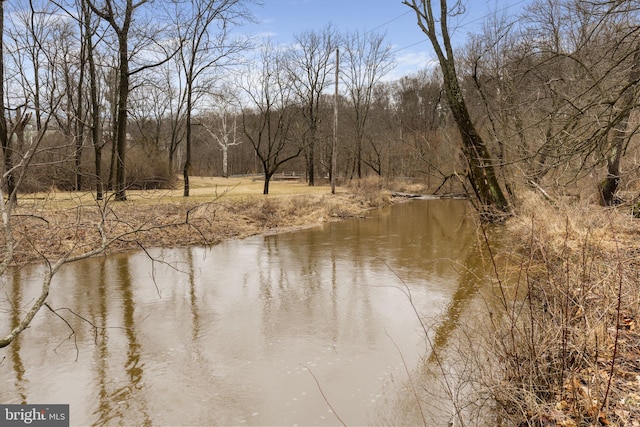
(313, 327)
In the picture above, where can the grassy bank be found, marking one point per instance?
(564, 337)
(52, 225)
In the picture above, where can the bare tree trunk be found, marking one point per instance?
(187, 161)
(225, 156)
(267, 180)
(96, 128)
(311, 159)
(334, 143)
(123, 94)
(481, 171)
(620, 137)
(5, 140)
(79, 119)
(359, 156)
(108, 13)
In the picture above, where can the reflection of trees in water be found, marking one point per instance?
(441, 386)
(14, 349)
(472, 275)
(447, 362)
(134, 367)
(418, 237)
(317, 283)
(300, 281)
(193, 298)
(105, 412)
(117, 404)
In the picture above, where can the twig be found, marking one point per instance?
(73, 332)
(406, 369)
(325, 397)
(445, 379)
(542, 191)
(31, 216)
(153, 268)
(618, 310)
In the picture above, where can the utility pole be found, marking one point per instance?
(334, 148)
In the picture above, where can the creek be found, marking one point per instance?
(301, 328)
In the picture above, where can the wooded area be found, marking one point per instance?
(107, 96)
(104, 95)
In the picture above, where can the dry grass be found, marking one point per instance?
(567, 345)
(51, 225)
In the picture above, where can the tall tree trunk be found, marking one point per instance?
(187, 161)
(225, 156)
(267, 180)
(311, 160)
(481, 172)
(121, 136)
(620, 136)
(480, 163)
(96, 128)
(359, 156)
(5, 141)
(79, 121)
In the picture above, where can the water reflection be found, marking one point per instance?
(195, 315)
(451, 346)
(235, 334)
(16, 312)
(104, 412)
(472, 276)
(120, 397)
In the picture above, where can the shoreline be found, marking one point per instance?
(56, 226)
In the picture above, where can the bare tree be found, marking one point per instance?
(32, 28)
(5, 140)
(119, 16)
(28, 33)
(626, 98)
(220, 128)
(13, 175)
(204, 31)
(311, 65)
(268, 112)
(481, 172)
(88, 33)
(367, 60)
(560, 93)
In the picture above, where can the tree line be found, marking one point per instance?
(117, 94)
(110, 95)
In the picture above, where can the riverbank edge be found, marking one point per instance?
(567, 349)
(50, 231)
(53, 230)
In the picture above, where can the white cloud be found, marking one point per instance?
(411, 62)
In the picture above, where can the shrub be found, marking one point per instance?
(557, 342)
(145, 171)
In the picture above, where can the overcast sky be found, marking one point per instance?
(281, 19)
